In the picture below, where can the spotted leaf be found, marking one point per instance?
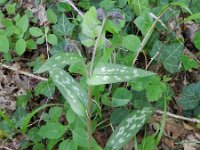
(59, 60)
(113, 73)
(71, 90)
(128, 128)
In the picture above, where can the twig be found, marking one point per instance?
(22, 72)
(194, 120)
(4, 147)
(74, 7)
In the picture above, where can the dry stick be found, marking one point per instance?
(74, 7)
(22, 72)
(148, 34)
(194, 120)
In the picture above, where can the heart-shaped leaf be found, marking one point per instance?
(64, 27)
(113, 73)
(121, 97)
(170, 55)
(60, 60)
(71, 90)
(128, 128)
(190, 97)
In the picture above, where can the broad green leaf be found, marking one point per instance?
(35, 31)
(190, 96)
(52, 39)
(4, 44)
(20, 47)
(113, 73)
(131, 42)
(128, 128)
(63, 27)
(118, 115)
(143, 22)
(139, 6)
(80, 137)
(90, 23)
(148, 143)
(30, 115)
(51, 16)
(45, 88)
(140, 100)
(10, 8)
(197, 40)
(121, 97)
(34, 137)
(169, 55)
(23, 23)
(189, 63)
(38, 146)
(55, 113)
(71, 90)
(64, 145)
(31, 44)
(40, 40)
(59, 60)
(52, 130)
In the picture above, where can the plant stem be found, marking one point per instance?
(148, 34)
(90, 87)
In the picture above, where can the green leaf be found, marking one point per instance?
(10, 8)
(55, 113)
(34, 137)
(80, 137)
(46, 88)
(4, 44)
(190, 96)
(31, 44)
(121, 97)
(52, 39)
(148, 143)
(52, 130)
(59, 60)
(40, 40)
(64, 27)
(189, 63)
(128, 128)
(197, 40)
(113, 73)
(20, 47)
(131, 42)
(23, 23)
(64, 145)
(118, 115)
(143, 22)
(169, 55)
(30, 115)
(140, 100)
(139, 6)
(71, 90)
(90, 23)
(35, 32)
(51, 16)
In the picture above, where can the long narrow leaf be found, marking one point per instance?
(113, 73)
(30, 115)
(60, 60)
(71, 90)
(128, 128)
